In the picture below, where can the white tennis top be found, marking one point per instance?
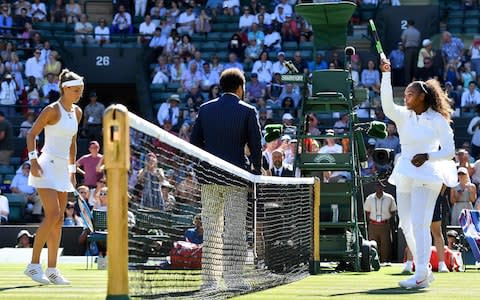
(58, 137)
(429, 133)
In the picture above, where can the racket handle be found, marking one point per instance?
(383, 56)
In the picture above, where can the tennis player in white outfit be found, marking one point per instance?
(424, 164)
(53, 172)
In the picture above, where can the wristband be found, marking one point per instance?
(32, 155)
(72, 169)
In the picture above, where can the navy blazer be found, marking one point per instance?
(224, 126)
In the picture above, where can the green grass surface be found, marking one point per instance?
(92, 284)
(374, 285)
(86, 284)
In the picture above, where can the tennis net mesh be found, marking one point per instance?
(206, 228)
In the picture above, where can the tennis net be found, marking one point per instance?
(206, 228)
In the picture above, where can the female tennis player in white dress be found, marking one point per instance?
(53, 172)
(426, 162)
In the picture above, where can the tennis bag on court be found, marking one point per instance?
(186, 255)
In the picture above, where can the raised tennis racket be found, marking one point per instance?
(378, 44)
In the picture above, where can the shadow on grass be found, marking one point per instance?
(19, 287)
(385, 291)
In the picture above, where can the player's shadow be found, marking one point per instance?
(19, 287)
(384, 291)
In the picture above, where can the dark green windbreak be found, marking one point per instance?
(329, 22)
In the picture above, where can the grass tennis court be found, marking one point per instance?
(92, 284)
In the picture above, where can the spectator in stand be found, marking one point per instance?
(391, 141)
(36, 41)
(27, 124)
(173, 12)
(319, 63)
(209, 77)
(214, 92)
(288, 106)
(263, 67)
(278, 17)
(275, 88)
(6, 20)
(177, 69)
(167, 197)
(19, 4)
(73, 11)
(162, 66)
(8, 93)
(101, 202)
(34, 67)
(93, 117)
(186, 22)
(173, 41)
(236, 45)
(474, 53)
(159, 7)
(24, 239)
(425, 59)
(463, 196)
(470, 97)
(202, 24)
(195, 235)
(39, 11)
(141, 7)
(299, 62)
(15, 67)
(452, 48)
(122, 21)
(246, 20)
(45, 51)
(371, 79)
(160, 78)
(252, 52)
(216, 65)
(186, 47)
(146, 30)
(341, 124)
(287, 8)
(26, 35)
(335, 59)
(255, 89)
(474, 130)
(23, 18)
(191, 78)
(58, 13)
(289, 90)
(273, 40)
(397, 59)
(102, 32)
(53, 65)
(197, 59)
(158, 42)
(411, 40)
(33, 93)
(233, 62)
(87, 165)
(452, 94)
(256, 34)
(278, 66)
(50, 89)
(467, 75)
(4, 209)
(290, 30)
(70, 217)
(93, 193)
(231, 7)
(20, 185)
(150, 178)
(169, 111)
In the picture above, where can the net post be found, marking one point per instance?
(116, 141)
(315, 264)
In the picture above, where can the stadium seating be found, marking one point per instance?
(16, 203)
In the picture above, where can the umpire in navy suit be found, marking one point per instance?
(223, 127)
(226, 124)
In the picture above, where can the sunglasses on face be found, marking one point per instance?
(103, 194)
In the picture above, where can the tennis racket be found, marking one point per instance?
(378, 44)
(85, 212)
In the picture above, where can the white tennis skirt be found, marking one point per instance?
(55, 174)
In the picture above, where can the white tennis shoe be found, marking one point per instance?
(442, 267)
(414, 282)
(53, 274)
(35, 272)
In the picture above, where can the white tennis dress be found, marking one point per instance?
(55, 153)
